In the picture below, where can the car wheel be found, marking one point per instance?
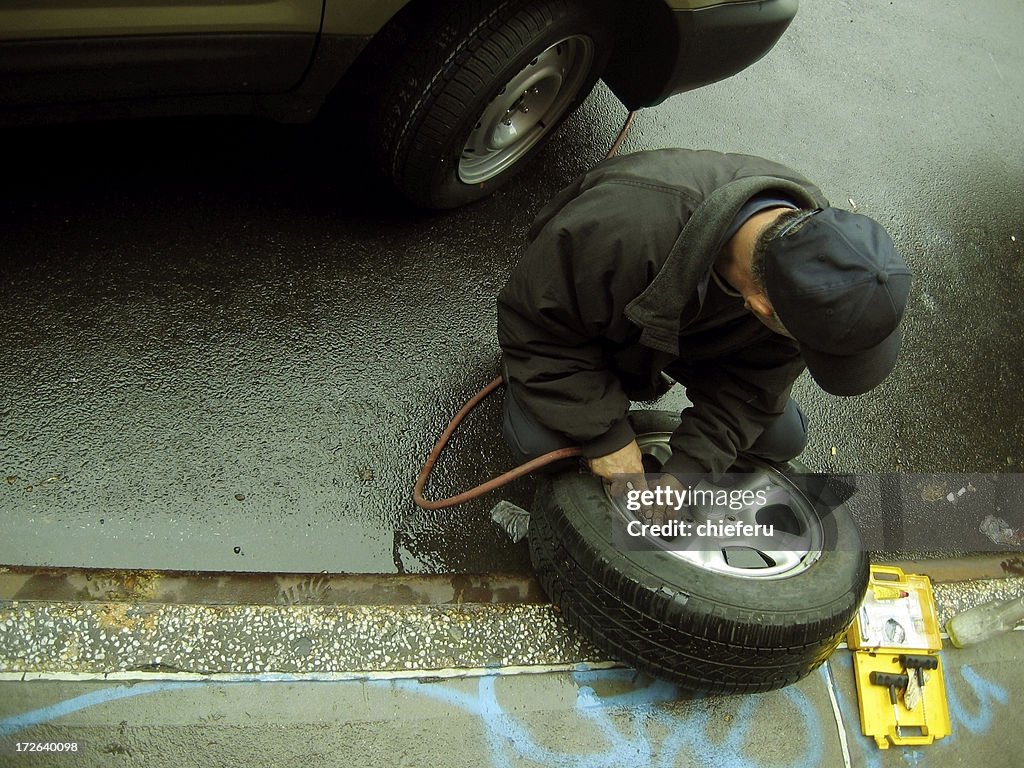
(711, 618)
(476, 92)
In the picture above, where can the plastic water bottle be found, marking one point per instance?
(985, 621)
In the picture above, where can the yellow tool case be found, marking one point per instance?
(895, 641)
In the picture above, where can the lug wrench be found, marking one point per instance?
(919, 664)
(894, 683)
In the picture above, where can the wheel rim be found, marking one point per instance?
(526, 109)
(798, 538)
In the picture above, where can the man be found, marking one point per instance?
(728, 273)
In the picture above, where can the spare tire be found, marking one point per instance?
(704, 619)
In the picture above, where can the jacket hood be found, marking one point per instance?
(693, 254)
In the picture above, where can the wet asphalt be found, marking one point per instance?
(224, 345)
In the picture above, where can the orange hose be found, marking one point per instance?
(622, 136)
(490, 485)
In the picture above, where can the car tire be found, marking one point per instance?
(476, 92)
(707, 628)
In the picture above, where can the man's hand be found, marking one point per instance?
(623, 470)
(628, 461)
(625, 461)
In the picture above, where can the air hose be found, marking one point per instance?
(493, 483)
(513, 474)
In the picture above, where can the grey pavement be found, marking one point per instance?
(224, 348)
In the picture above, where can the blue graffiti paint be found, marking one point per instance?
(633, 746)
(636, 727)
(501, 731)
(655, 692)
(632, 749)
(851, 714)
(15, 723)
(985, 692)
(508, 738)
(729, 751)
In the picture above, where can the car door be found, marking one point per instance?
(77, 51)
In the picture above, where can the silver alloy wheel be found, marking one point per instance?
(794, 547)
(522, 112)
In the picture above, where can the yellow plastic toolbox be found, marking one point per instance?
(898, 613)
(895, 639)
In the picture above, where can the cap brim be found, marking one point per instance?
(849, 375)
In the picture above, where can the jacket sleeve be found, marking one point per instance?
(564, 303)
(735, 398)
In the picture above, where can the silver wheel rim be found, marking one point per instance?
(526, 109)
(791, 551)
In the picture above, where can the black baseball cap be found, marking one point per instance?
(840, 287)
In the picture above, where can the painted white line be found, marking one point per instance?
(840, 725)
(305, 677)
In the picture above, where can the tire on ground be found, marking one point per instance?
(449, 72)
(677, 621)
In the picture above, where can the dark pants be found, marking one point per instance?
(784, 439)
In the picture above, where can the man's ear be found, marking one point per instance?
(758, 304)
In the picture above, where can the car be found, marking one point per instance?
(456, 94)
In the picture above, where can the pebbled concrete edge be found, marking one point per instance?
(103, 638)
(126, 639)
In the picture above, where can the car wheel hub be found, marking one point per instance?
(797, 538)
(524, 114)
(525, 109)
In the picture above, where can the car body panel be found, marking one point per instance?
(691, 44)
(75, 52)
(284, 58)
(70, 71)
(48, 19)
(44, 19)
(361, 17)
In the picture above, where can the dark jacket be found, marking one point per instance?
(615, 288)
